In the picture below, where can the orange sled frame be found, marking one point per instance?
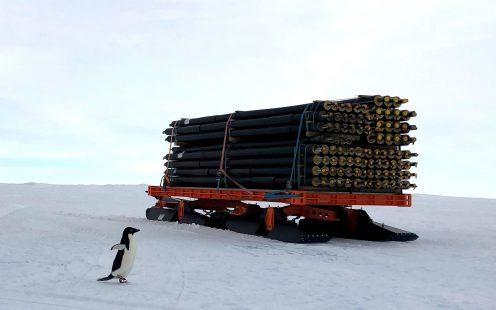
(324, 214)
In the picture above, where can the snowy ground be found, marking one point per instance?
(55, 241)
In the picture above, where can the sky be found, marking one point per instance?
(87, 87)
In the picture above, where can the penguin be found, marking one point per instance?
(124, 260)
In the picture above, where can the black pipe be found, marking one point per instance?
(361, 99)
(281, 151)
(212, 181)
(283, 161)
(193, 155)
(236, 133)
(240, 145)
(233, 153)
(261, 162)
(195, 129)
(197, 137)
(245, 123)
(267, 121)
(295, 109)
(267, 131)
(238, 115)
(182, 172)
(200, 120)
(241, 149)
(246, 162)
(269, 171)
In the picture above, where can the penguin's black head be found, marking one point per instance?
(130, 230)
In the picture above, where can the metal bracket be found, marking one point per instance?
(280, 195)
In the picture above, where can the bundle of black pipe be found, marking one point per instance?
(344, 145)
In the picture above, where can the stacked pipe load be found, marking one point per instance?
(352, 145)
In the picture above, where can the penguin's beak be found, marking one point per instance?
(137, 230)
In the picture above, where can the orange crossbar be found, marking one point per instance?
(303, 197)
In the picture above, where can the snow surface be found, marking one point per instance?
(55, 242)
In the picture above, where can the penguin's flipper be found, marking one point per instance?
(109, 277)
(119, 247)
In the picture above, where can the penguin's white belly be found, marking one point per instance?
(127, 260)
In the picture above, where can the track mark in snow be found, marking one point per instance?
(87, 300)
(24, 301)
(81, 278)
(183, 282)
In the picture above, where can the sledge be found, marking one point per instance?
(306, 217)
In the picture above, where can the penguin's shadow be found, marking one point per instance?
(115, 283)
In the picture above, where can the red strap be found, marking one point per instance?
(221, 167)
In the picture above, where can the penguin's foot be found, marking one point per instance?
(122, 280)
